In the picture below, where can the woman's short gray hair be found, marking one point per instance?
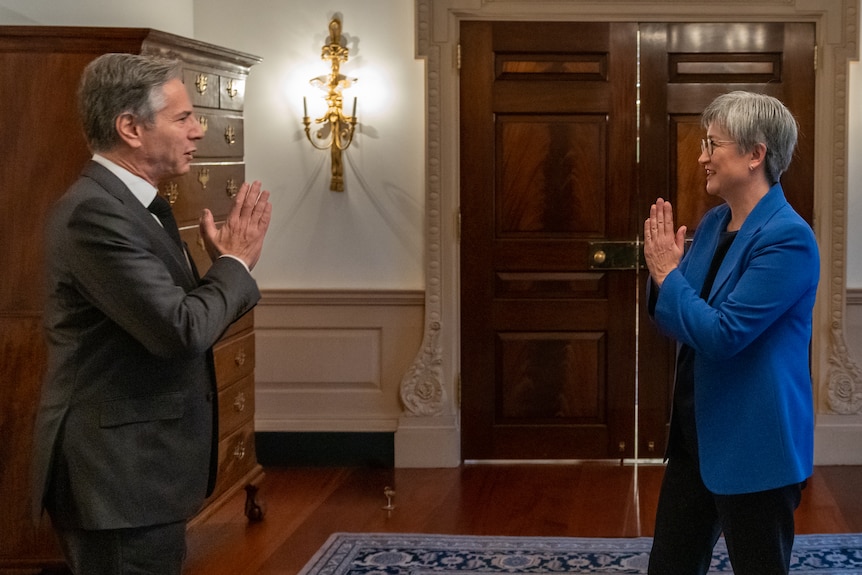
(749, 119)
(117, 84)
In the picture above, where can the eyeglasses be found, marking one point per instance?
(709, 145)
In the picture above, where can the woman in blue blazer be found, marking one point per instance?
(739, 304)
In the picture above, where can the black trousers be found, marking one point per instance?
(153, 550)
(758, 527)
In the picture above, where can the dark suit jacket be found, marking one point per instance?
(126, 429)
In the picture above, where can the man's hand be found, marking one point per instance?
(242, 234)
(663, 249)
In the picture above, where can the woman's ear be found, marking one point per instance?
(757, 156)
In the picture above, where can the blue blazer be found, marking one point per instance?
(753, 393)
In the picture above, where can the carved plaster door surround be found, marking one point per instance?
(429, 430)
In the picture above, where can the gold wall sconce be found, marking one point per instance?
(336, 130)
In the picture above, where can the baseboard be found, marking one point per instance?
(838, 440)
(325, 449)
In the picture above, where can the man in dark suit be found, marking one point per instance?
(125, 442)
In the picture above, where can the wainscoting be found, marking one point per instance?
(853, 327)
(329, 370)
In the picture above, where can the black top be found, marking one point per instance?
(685, 434)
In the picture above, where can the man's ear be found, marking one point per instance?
(129, 129)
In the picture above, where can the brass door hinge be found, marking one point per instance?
(458, 56)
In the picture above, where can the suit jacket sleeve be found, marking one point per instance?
(120, 270)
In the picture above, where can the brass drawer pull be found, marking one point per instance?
(230, 135)
(239, 402)
(201, 83)
(171, 192)
(230, 89)
(204, 122)
(240, 357)
(239, 450)
(231, 188)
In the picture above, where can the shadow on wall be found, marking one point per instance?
(398, 210)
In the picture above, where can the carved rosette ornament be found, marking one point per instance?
(422, 388)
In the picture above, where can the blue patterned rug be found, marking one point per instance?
(416, 554)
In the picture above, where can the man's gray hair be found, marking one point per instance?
(117, 84)
(749, 119)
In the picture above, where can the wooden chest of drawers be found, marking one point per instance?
(238, 467)
(44, 155)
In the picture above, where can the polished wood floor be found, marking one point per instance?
(305, 506)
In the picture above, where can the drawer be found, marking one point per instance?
(232, 93)
(207, 185)
(192, 236)
(202, 87)
(244, 323)
(223, 135)
(236, 405)
(234, 359)
(236, 457)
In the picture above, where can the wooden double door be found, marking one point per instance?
(569, 131)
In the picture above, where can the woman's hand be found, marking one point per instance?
(663, 249)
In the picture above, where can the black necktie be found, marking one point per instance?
(162, 210)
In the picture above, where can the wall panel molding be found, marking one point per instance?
(333, 360)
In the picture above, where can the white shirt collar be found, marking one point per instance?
(144, 191)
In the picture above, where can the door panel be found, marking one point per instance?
(554, 163)
(552, 189)
(548, 148)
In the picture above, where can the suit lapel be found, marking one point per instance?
(167, 249)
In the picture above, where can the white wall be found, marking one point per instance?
(371, 235)
(174, 16)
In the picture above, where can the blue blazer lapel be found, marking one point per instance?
(696, 262)
(762, 212)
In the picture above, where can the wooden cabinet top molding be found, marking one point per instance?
(99, 40)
